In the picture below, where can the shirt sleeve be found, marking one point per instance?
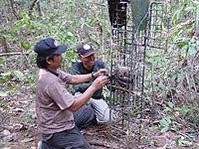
(64, 76)
(79, 87)
(75, 70)
(60, 95)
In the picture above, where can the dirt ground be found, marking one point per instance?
(18, 130)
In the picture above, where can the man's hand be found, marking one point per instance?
(101, 72)
(100, 82)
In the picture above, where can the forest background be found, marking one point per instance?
(173, 90)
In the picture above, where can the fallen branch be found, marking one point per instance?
(13, 53)
(186, 23)
(186, 136)
(4, 127)
(119, 130)
(97, 143)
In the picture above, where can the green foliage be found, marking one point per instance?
(28, 118)
(30, 78)
(172, 71)
(182, 28)
(70, 22)
(3, 94)
(9, 79)
(65, 23)
(2, 104)
(14, 75)
(180, 141)
(26, 45)
(190, 113)
(165, 123)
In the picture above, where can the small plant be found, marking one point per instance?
(180, 141)
(166, 123)
(2, 104)
(190, 113)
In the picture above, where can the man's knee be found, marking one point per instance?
(89, 112)
(84, 117)
(43, 145)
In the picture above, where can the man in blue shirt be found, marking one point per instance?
(88, 65)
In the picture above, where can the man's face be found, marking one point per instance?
(55, 63)
(88, 61)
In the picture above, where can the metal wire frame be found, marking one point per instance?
(128, 64)
(129, 52)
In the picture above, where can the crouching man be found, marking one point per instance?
(88, 65)
(55, 104)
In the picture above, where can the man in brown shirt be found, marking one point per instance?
(55, 104)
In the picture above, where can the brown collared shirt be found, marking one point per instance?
(52, 101)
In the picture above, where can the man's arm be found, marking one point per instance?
(83, 98)
(74, 77)
(65, 100)
(82, 78)
(77, 77)
(79, 87)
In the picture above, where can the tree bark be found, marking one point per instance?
(13, 9)
(3, 42)
(39, 8)
(34, 4)
(32, 7)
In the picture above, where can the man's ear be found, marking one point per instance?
(79, 56)
(48, 60)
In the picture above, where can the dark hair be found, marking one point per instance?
(41, 60)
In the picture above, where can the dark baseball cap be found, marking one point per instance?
(85, 50)
(48, 46)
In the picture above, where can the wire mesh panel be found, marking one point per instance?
(157, 26)
(138, 40)
(127, 68)
(130, 41)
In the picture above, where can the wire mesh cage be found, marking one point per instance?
(128, 53)
(132, 35)
(140, 30)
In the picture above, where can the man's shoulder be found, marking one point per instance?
(46, 78)
(99, 63)
(76, 65)
(77, 68)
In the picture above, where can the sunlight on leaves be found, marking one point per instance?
(18, 74)
(3, 94)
